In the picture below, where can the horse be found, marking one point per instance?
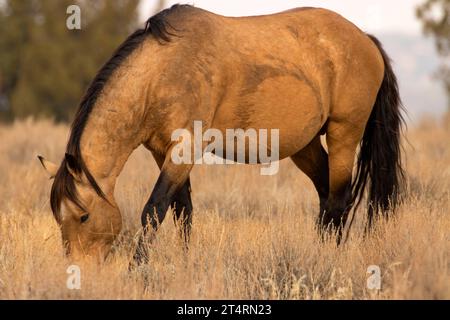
(307, 72)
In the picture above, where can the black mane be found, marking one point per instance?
(64, 184)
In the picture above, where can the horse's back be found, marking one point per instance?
(283, 71)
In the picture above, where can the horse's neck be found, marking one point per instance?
(105, 150)
(114, 128)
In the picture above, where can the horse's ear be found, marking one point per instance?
(50, 167)
(72, 165)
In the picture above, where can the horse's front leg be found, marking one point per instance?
(182, 208)
(172, 179)
(181, 203)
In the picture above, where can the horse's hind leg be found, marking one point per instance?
(313, 161)
(342, 141)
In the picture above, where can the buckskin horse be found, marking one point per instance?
(307, 72)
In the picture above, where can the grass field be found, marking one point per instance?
(253, 236)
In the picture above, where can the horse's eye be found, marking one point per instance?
(84, 218)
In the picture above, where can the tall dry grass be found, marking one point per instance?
(253, 236)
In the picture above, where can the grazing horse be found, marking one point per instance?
(306, 72)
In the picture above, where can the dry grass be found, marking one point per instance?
(253, 236)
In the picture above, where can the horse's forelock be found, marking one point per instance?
(64, 188)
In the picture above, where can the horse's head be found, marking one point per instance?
(89, 219)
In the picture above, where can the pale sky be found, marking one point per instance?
(376, 16)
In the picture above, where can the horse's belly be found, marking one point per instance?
(283, 103)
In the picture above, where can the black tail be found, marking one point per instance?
(379, 164)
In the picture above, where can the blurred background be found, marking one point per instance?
(45, 68)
